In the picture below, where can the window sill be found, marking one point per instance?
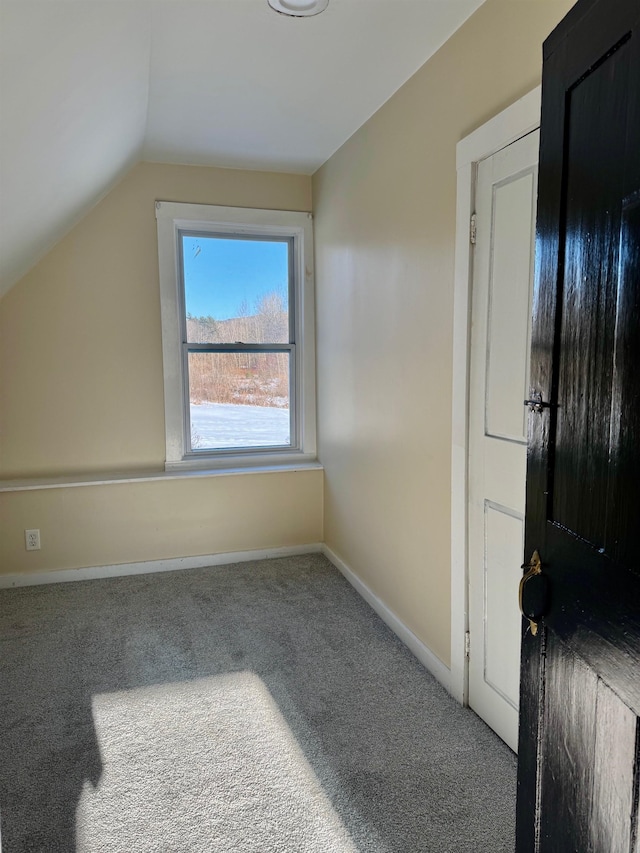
(97, 479)
(230, 461)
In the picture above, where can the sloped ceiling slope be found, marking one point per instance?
(73, 105)
(89, 87)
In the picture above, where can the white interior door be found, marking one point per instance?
(500, 341)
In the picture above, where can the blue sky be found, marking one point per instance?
(220, 273)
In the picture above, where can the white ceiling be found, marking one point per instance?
(89, 87)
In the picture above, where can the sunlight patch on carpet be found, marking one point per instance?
(205, 765)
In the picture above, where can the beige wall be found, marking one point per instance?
(385, 227)
(122, 523)
(80, 346)
(82, 391)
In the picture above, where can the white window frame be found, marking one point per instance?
(173, 218)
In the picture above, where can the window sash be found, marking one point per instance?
(294, 437)
(246, 236)
(239, 346)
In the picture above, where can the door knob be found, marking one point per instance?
(533, 593)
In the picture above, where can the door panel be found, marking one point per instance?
(508, 337)
(579, 748)
(624, 470)
(613, 776)
(501, 311)
(570, 727)
(504, 537)
(590, 748)
(588, 300)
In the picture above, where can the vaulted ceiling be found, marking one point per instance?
(90, 87)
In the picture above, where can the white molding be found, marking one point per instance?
(424, 654)
(150, 566)
(516, 121)
(172, 217)
(35, 483)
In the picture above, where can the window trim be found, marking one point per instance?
(173, 218)
(289, 347)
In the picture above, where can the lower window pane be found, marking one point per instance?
(239, 399)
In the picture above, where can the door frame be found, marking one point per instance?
(511, 124)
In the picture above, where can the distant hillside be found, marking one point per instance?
(268, 324)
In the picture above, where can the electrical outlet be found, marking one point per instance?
(32, 540)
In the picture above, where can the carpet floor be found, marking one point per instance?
(252, 708)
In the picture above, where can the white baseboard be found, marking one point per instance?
(427, 658)
(149, 566)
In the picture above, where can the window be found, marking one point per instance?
(236, 290)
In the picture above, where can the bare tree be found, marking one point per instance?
(260, 379)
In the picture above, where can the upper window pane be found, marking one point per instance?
(236, 290)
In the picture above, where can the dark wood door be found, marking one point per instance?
(579, 746)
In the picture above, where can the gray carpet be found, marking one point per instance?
(251, 708)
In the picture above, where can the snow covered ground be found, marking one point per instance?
(216, 425)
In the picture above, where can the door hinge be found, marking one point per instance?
(472, 229)
(467, 645)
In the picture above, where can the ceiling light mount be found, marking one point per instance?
(299, 8)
